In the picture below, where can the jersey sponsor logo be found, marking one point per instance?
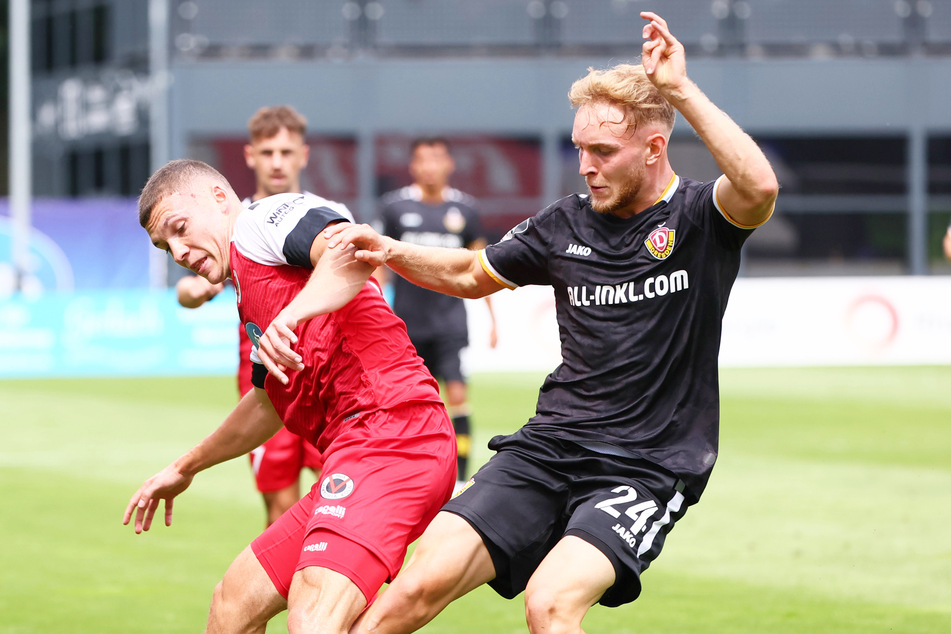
(660, 242)
(432, 239)
(336, 486)
(411, 219)
(628, 292)
(254, 333)
(278, 214)
(454, 220)
(333, 511)
(626, 503)
(576, 249)
(521, 227)
(319, 547)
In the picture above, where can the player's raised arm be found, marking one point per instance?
(748, 193)
(252, 421)
(455, 272)
(337, 278)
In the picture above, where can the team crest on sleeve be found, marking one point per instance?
(660, 242)
(254, 333)
(336, 486)
(521, 227)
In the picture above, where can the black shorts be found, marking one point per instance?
(442, 356)
(527, 497)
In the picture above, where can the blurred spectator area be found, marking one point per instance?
(412, 27)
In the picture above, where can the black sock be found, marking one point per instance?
(463, 441)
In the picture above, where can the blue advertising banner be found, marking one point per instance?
(116, 333)
(88, 243)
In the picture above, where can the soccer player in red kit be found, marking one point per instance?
(355, 388)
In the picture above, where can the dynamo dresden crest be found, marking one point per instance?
(660, 242)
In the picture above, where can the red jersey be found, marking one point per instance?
(357, 359)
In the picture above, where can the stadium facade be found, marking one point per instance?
(849, 99)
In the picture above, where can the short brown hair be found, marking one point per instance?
(429, 141)
(168, 179)
(628, 87)
(269, 120)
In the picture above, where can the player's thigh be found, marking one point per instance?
(323, 598)
(572, 577)
(450, 556)
(247, 592)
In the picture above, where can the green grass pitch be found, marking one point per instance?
(829, 509)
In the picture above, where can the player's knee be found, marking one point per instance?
(223, 610)
(546, 611)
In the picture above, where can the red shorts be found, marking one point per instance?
(383, 482)
(278, 462)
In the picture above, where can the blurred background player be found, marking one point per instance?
(431, 213)
(277, 153)
(946, 243)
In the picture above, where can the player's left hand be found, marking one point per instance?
(662, 55)
(274, 347)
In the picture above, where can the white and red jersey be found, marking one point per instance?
(357, 359)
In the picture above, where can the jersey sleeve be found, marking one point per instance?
(521, 257)
(281, 229)
(704, 209)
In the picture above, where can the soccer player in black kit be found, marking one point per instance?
(431, 213)
(578, 502)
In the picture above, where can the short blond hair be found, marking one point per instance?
(628, 87)
(170, 178)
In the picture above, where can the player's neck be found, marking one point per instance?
(432, 195)
(261, 193)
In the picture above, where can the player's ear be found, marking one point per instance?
(656, 147)
(221, 197)
(305, 150)
(249, 156)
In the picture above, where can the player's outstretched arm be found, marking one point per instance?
(749, 191)
(450, 271)
(252, 421)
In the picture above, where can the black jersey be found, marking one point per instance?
(454, 224)
(639, 304)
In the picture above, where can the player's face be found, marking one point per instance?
(611, 158)
(277, 162)
(431, 166)
(193, 226)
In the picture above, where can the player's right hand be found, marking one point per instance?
(164, 485)
(370, 246)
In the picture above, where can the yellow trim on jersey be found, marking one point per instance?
(728, 218)
(665, 194)
(493, 273)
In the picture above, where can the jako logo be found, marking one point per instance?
(578, 250)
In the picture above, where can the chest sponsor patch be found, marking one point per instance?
(454, 220)
(660, 242)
